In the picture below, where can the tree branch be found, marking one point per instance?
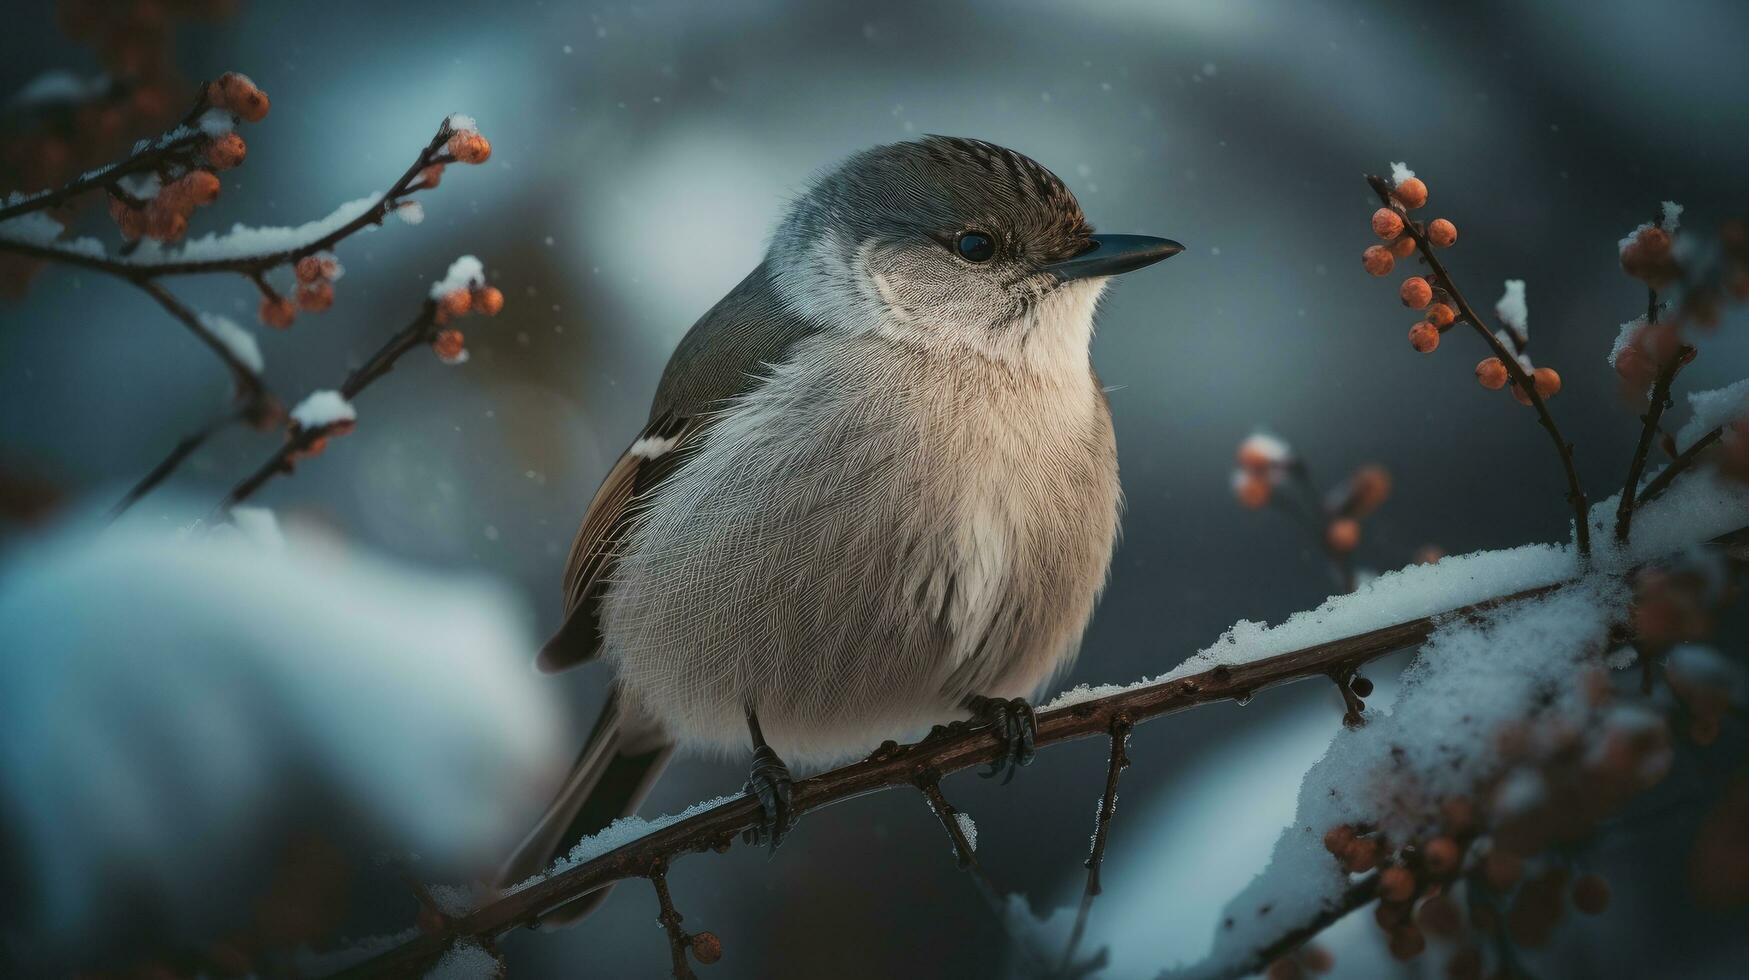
(1116, 761)
(1624, 512)
(301, 441)
(1575, 492)
(1683, 461)
(164, 149)
(896, 766)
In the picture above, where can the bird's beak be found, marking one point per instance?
(1110, 255)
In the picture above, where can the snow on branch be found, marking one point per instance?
(154, 193)
(1539, 587)
(329, 412)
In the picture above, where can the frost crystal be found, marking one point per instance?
(1400, 172)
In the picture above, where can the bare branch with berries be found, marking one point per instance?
(329, 414)
(153, 194)
(1446, 306)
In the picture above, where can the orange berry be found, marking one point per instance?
(1387, 223)
(1442, 233)
(1491, 373)
(1396, 884)
(237, 92)
(244, 99)
(1253, 492)
(1547, 381)
(431, 176)
(1424, 337)
(1407, 942)
(1337, 838)
(165, 224)
(277, 312)
(707, 948)
(1416, 293)
(489, 300)
(1441, 856)
(1403, 247)
(227, 151)
(1441, 315)
(315, 297)
(1518, 395)
(131, 220)
(309, 269)
(1390, 915)
(1377, 260)
(456, 302)
(1343, 535)
(470, 147)
(1591, 894)
(449, 344)
(200, 187)
(1411, 193)
(1362, 854)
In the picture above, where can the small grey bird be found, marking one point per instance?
(877, 490)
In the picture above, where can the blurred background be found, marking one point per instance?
(642, 154)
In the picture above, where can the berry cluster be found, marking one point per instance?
(449, 344)
(188, 179)
(1266, 463)
(1431, 295)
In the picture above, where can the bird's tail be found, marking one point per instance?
(615, 771)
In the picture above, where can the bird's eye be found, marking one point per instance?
(975, 246)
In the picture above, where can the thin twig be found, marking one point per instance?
(251, 390)
(1357, 894)
(1575, 492)
(1624, 512)
(1117, 759)
(159, 151)
(299, 440)
(168, 465)
(670, 918)
(1683, 461)
(719, 826)
(252, 265)
(893, 766)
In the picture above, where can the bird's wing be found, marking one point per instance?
(723, 355)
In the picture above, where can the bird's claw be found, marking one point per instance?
(1014, 723)
(769, 782)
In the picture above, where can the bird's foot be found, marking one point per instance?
(1015, 724)
(769, 782)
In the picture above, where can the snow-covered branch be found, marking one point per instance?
(1396, 611)
(156, 190)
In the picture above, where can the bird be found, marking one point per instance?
(877, 490)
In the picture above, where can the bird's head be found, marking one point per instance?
(951, 241)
